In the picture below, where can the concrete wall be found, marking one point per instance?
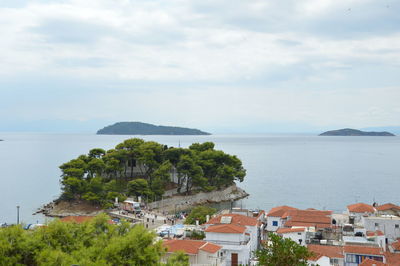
(386, 225)
(295, 236)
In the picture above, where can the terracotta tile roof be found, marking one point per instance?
(387, 206)
(210, 247)
(360, 208)
(190, 246)
(370, 262)
(372, 233)
(289, 230)
(279, 211)
(392, 259)
(328, 251)
(306, 213)
(396, 245)
(76, 219)
(226, 228)
(363, 250)
(237, 219)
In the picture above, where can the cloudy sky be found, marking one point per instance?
(218, 65)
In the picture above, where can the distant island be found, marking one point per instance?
(355, 132)
(139, 128)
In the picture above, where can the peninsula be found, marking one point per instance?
(139, 128)
(355, 132)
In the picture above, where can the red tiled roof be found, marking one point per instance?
(289, 230)
(279, 211)
(76, 219)
(190, 246)
(306, 213)
(396, 245)
(387, 206)
(237, 219)
(372, 233)
(392, 259)
(363, 250)
(226, 228)
(328, 251)
(360, 208)
(370, 262)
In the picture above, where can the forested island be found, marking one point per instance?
(354, 132)
(147, 169)
(139, 128)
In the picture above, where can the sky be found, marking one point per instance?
(218, 65)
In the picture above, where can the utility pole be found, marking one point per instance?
(17, 214)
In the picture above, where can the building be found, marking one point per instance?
(239, 236)
(369, 262)
(274, 217)
(199, 252)
(325, 255)
(358, 210)
(297, 234)
(388, 209)
(388, 224)
(307, 218)
(354, 255)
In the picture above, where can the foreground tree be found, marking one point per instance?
(199, 213)
(283, 252)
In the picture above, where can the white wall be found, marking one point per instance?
(386, 225)
(270, 226)
(323, 261)
(295, 236)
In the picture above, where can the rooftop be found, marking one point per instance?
(279, 211)
(289, 230)
(237, 219)
(226, 228)
(372, 233)
(360, 208)
(363, 250)
(370, 262)
(387, 206)
(190, 246)
(328, 251)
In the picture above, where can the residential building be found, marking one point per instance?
(297, 234)
(274, 217)
(354, 255)
(200, 252)
(369, 262)
(358, 210)
(388, 224)
(239, 236)
(388, 209)
(307, 218)
(326, 255)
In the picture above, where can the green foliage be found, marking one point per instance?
(197, 235)
(178, 259)
(199, 213)
(92, 243)
(143, 168)
(283, 251)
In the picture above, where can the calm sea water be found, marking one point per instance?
(298, 170)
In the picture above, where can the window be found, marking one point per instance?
(396, 226)
(299, 234)
(274, 223)
(351, 258)
(376, 224)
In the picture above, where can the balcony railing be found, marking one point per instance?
(234, 243)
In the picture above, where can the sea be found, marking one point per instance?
(300, 170)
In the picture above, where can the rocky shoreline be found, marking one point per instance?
(232, 193)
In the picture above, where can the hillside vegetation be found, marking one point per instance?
(139, 128)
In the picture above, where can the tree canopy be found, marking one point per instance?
(92, 243)
(199, 213)
(146, 168)
(283, 252)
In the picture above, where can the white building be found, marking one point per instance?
(201, 253)
(297, 234)
(274, 217)
(389, 225)
(354, 255)
(326, 255)
(358, 210)
(239, 235)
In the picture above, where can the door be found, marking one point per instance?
(234, 259)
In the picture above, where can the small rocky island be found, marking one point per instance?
(355, 132)
(139, 128)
